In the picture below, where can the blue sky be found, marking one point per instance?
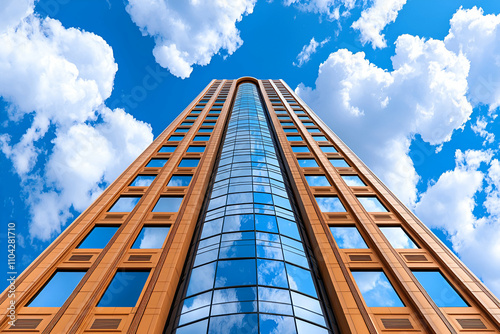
(410, 85)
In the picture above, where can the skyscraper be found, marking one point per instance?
(249, 215)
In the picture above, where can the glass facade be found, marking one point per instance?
(250, 272)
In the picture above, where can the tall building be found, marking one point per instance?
(248, 215)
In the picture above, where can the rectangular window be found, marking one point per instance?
(307, 163)
(125, 204)
(308, 123)
(372, 204)
(294, 138)
(330, 204)
(290, 130)
(303, 118)
(397, 237)
(376, 289)
(191, 117)
(158, 163)
(187, 162)
(175, 138)
(125, 289)
(208, 123)
(187, 123)
(196, 149)
(328, 149)
(179, 180)
(320, 138)
(440, 290)
(143, 181)
(283, 118)
(181, 130)
(317, 181)
(347, 237)
(211, 118)
(300, 149)
(205, 130)
(287, 124)
(339, 163)
(353, 181)
(57, 289)
(98, 238)
(313, 130)
(201, 138)
(167, 149)
(168, 204)
(151, 237)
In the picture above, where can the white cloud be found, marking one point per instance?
(14, 11)
(480, 129)
(375, 18)
(190, 32)
(60, 78)
(308, 50)
(378, 112)
(449, 205)
(332, 9)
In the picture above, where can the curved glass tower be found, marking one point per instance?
(250, 272)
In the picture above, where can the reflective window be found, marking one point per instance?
(187, 162)
(304, 118)
(398, 237)
(196, 149)
(99, 237)
(168, 204)
(235, 272)
(125, 204)
(205, 130)
(151, 237)
(167, 149)
(307, 163)
(201, 138)
(330, 204)
(143, 180)
(339, 163)
(300, 149)
(211, 118)
(371, 204)
(320, 138)
(273, 324)
(353, 181)
(300, 280)
(191, 117)
(376, 289)
(175, 138)
(287, 124)
(440, 290)
(179, 180)
(208, 123)
(317, 181)
(347, 237)
(290, 130)
(181, 130)
(308, 123)
(328, 149)
(57, 289)
(125, 289)
(314, 130)
(294, 138)
(158, 163)
(187, 123)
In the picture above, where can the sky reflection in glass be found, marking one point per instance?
(347, 237)
(441, 292)
(398, 237)
(376, 289)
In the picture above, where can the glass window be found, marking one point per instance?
(317, 181)
(208, 118)
(143, 180)
(158, 163)
(168, 204)
(208, 123)
(125, 289)
(205, 130)
(238, 223)
(202, 279)
(99, 237)
(313, 130)
(58, 289)
(289, 130)
(233, 324)
(235, 273)
(181, 130)
(187, 123)
(125, 204)
(330, 204)
(371, 204)
(151, 237)
(187, 162)
(271, 273)
(179, 180)
(308, 328)
(167, 149)
(266, 223)
(294, 138)
(196, 149)
(353, 181)
(300, 149)
(191, 117)
(339, 163)
(175, 138)
(272, 324)
(440, 290)
(284, 118)
(201, 138)
(398, 238)
(287, 124)
(308, 123)
(300, 280)
(328, 149)
(307, 163)
(376, 289)
(347, 237)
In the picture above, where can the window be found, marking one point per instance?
(302, 280)
(167, 149)
(294, 138)
(179, 180)
(283, 118)
(317, 181)
(208, 118)
(235, 272)
(440, 290)
(303, 118)
(330, 204)
(98, 238)
(371, 204)
(307, 163)
(287, 124)
(398, 237)
(208, 123)
(201, 138)
(175, 138)
(290, 130)
(191, 117)
(125, 289)
(151, 237)
(58, 289)
(353, 181)
(181, 130)
(299, 111)
(125, 204)
(187, 123)
(186, 162)
(168, 204)
(376, 289)
(196, 149)
(308, 123)
(143, 180)
(347, 237)
(339, 163)
(313, 130)
(158, 163)
(205, 130)
(328, 149)
(300, 149)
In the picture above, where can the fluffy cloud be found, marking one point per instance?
(480, 129)
(14, 11)
(378, 112)
(59, 78)
(375, 18)
(449, 205)
(332, 9)
(308, 50)
(190, 32)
